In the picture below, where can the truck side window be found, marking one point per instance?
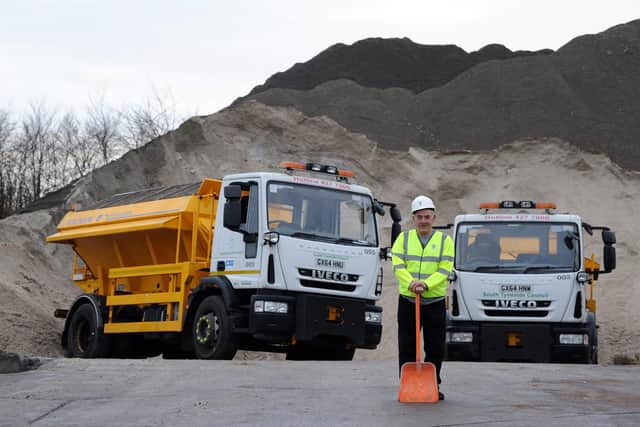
(251, 210)
(245, 216)
(250, 220)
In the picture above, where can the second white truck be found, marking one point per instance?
(522, 285)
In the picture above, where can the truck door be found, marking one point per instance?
(236, 246)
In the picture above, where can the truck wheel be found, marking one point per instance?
(307, 352)
(594, 348)
(348, 354)
(300, 352)
(212, 331)
(593, 338)
(338, 354)
(84, 339)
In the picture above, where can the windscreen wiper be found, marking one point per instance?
(499, 267)
(312, 236)
(354, 241)
(487, 267)
(547, 268)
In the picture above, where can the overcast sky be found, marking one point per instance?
(207, 53)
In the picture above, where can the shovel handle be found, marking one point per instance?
(418, 352)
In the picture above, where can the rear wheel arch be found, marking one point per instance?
(220, 285)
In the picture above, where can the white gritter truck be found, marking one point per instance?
(522, 285)
(285, 262)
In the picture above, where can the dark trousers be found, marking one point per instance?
(433, 322)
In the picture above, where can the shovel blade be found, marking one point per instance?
(418, 383)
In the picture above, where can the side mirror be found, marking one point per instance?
(568, 242)
(609, 258)
(378, 208)
(608, 237)
(395, 214)
(232, 207)
(396, 229)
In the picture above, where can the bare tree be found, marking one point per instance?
(7, 178)
(43, 151)
(6, 127)
(154, 117)
(36, 148)
(101, 128)
(80, 152)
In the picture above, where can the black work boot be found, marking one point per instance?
(440, 395)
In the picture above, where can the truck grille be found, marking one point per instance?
(516, 313)
(327, 285)
(515, 308)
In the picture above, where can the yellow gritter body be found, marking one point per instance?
(141, 253)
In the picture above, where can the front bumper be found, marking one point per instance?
(310, 316)
(517, 342)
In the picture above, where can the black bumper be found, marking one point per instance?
(517, 342)
(311, 316)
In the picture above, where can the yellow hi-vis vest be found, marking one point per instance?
(431, 264)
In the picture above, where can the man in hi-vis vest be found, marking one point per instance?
(422, 260)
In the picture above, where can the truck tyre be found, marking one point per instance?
(212, 331)
(308, 352)
(593, 338)
(84, 339)
(299, 352)
(337, 354)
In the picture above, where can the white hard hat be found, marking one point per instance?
(422, 202)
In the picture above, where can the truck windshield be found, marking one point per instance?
(321, 214)
(517, 247)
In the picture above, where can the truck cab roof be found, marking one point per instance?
(518, 216)
(319, 180)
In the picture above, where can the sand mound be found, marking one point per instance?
(252, 136)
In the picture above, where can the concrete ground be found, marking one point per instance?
(157, 392)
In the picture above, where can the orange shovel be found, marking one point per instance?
(418, 381)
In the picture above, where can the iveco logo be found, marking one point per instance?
(516, 303)
(330, 275)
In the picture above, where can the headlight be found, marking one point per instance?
(459, 337)
(582, 277)
(576, 339)
(270, 307)
(373, 316)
